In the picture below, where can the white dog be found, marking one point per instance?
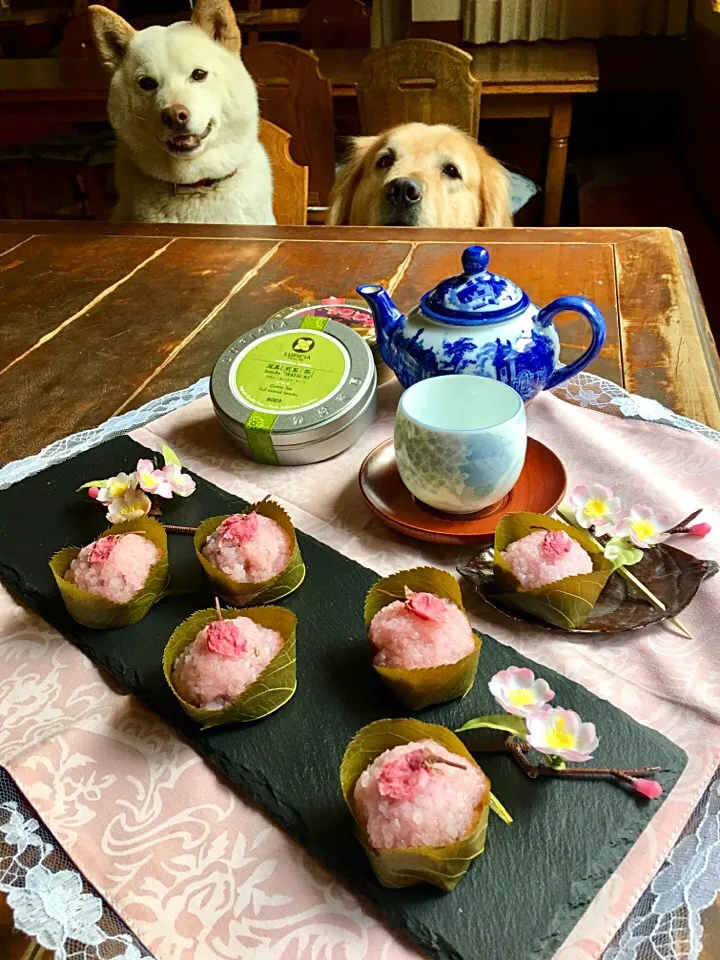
(185, 112)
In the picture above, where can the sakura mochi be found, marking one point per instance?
(421, 642)
(248, 547)
(115, 580)
(250, 557)
(419, 795)
(419, 800)
(422, 631)
(227, 666)
(545, 556)
(114, 567)
(223, 660)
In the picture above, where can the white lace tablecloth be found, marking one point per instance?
(54, 904)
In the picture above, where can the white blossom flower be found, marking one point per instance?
(518, 692)
(644, 527)
(132, 506)
(561, 733)
(180, 483)
(595, 506)
(152, 480)
(116, 487)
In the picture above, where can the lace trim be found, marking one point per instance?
(49, 898)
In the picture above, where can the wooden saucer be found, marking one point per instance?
(540, 489)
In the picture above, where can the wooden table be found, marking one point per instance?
(99, 319)
(519, 80)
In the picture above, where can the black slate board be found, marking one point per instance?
(521, 898)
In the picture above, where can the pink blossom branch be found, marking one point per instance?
(517, 750)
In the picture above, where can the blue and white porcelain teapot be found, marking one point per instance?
(482, 324)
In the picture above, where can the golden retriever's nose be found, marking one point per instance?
(175, 116)
(403, 192)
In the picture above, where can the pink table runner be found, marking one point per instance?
(200, 874)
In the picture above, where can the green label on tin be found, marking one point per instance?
(290, 371)
(257, 430)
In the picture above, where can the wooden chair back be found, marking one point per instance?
(294, 95)
(423, 81)
(336, 25)
(290, 180)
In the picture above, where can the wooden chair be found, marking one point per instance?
(419, 81)
(294, 96)
(336, 25)
(290, 180)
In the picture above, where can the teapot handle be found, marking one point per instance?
(597, 325)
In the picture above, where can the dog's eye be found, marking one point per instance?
(198, 75)
(385, 161)
(147, 83)
(450, 170)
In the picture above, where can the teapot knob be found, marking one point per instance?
(475, 260)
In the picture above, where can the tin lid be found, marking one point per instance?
(298, 378)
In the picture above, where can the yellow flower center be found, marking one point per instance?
(147, 479)
(117, 488)
(643, 529)
(558, 737)
(127, 509)
(596, 508)
(521, 696)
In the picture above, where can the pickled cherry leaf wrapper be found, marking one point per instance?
(403, 867)
(98, 613)
(270, 691)
(423, 686)
(241, 594)
(565, 603)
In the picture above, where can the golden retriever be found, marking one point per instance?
(417, 175)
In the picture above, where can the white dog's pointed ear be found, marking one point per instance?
(112, 35)
(217, 19)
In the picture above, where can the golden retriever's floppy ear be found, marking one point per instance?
(495, 208)
(111, 34)
(341, 195)
(217, 19)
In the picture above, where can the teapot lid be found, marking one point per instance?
(475, 296)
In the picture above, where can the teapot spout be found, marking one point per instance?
(386, 315)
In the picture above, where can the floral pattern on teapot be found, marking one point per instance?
(482, 324)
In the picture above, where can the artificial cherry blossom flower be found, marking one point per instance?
(644, 527)
(518, 692)
(595, 506)
(116, 487)
(561, 733)
(152, 480)
(133, 505)
(180, 483)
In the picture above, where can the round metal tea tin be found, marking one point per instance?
(298, 389)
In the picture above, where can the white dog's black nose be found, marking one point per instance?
(403, 191)
(175, 116)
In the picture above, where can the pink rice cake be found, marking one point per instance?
(422, 631)
(248, 547)
(407, 797)
(115, 568)
(223, 660)
(543, 557)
